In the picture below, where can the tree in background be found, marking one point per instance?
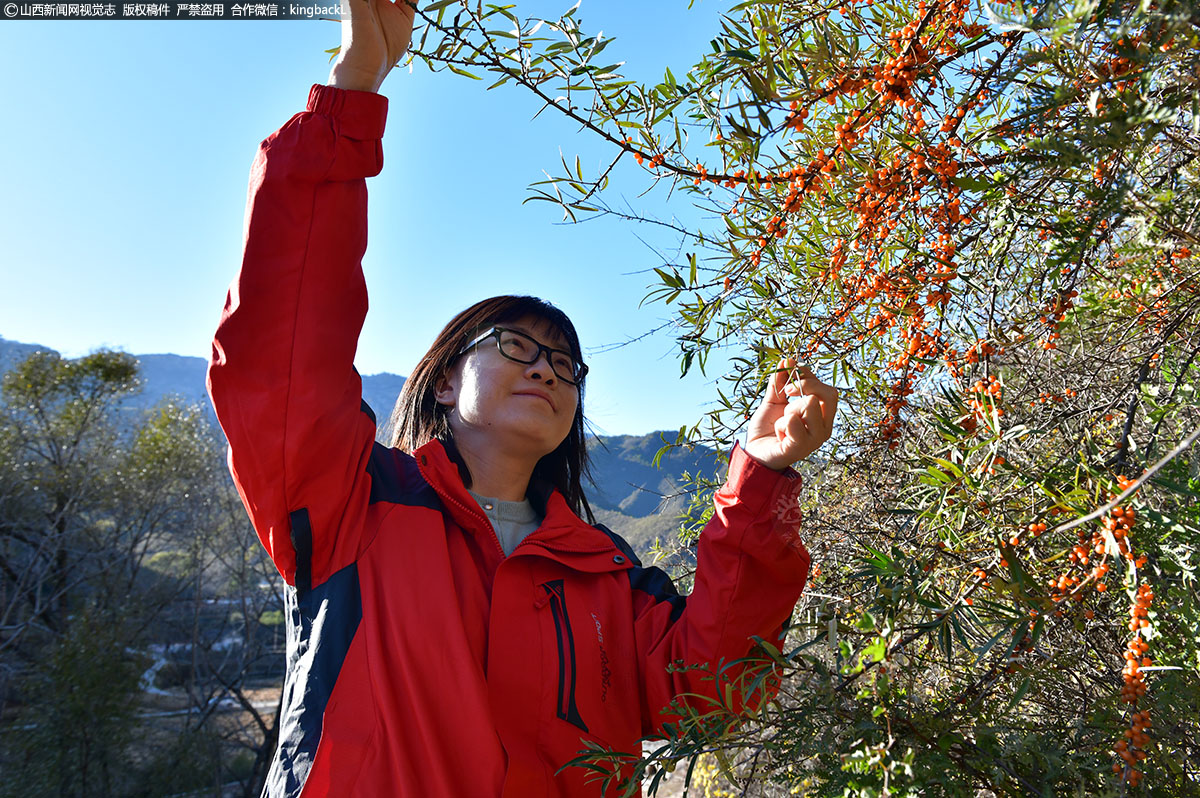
(61, 446)
(120, 535)
(979, 220)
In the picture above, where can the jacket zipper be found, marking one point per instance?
(566, 708)
(448, 498)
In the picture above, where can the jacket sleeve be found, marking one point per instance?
(282, 375)
(751, 569)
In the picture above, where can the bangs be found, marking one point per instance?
(548, 315)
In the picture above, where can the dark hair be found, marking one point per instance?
(418, 418)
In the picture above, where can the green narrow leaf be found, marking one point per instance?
(1021, 691)
(462, 72)
(982, 650)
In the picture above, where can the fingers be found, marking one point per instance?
(818, 417)
(788, 383)
(795, 417)
(780, 379)
(774, 399)
(810, 413)
(802, 423)
(808, 384)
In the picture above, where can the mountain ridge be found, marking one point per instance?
(628, 493)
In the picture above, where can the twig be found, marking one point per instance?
(1154, 469)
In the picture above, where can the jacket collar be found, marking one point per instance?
(563, 536)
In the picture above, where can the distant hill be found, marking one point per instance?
(628, 482)
(630, 496)
(172, 375)
(183, 377)
(12, 353)
(380, 392)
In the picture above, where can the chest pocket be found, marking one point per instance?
(566, 707)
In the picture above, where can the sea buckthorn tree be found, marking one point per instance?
(980, 221)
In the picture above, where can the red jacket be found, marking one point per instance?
(421, 660)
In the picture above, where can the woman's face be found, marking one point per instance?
(494, 401)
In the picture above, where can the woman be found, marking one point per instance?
(454, 628)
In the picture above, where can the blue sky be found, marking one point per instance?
(125, 154)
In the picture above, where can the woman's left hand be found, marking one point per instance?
(783, 432)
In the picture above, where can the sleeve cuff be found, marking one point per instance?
(768, 493)
(758, 486)
(360, 115)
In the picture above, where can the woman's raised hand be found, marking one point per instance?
(375, 36)
(784, 432)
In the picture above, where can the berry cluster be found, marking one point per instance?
(1132, 750)
(986, 396)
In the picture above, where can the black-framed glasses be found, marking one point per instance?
(521, 348)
